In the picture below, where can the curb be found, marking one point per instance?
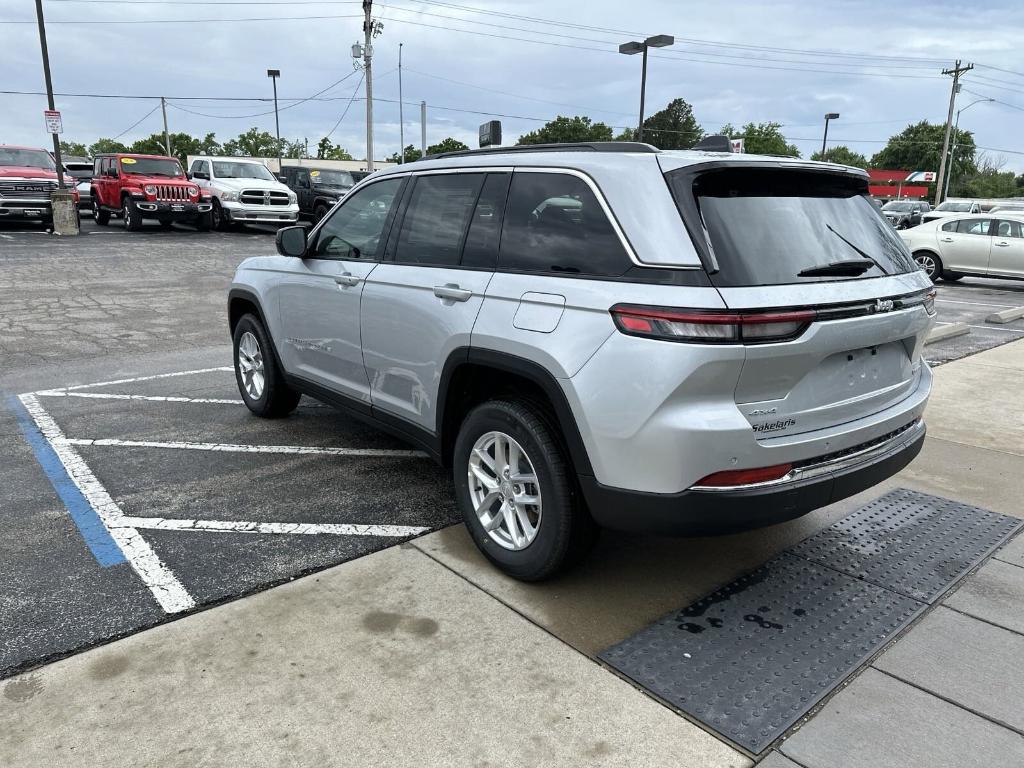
(944, 332)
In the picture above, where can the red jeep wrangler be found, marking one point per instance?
(137, 187)
(28, 177)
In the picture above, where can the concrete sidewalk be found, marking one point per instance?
(424, 654)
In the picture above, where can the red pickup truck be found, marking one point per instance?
(138, 187)
(27, 178)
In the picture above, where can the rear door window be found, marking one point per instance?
(437, 218)
(554, 224)
(764, 226)
(974, 226)
(481, 248)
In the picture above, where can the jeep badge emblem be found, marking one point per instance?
(884, 305)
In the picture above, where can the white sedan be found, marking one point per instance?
(979, 244)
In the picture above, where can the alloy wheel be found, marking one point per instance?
(250, 365)
(504, 489)
(927, 263)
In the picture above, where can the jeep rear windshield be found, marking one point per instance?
(766, 226)
(26, 158)
(146, 166)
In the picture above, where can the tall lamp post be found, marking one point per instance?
(657, 41)
(952, 151)
(273, 74)
(824, 139)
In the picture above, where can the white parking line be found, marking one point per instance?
(976, 303)
(140, 378)
(996, 328)
(238, 526)
(151, 398)
(167, 590)
(235, 448)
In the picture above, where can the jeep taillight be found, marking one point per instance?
(702, 326)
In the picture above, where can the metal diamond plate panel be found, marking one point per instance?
(750, 659)
(909, 542)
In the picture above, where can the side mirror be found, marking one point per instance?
(200, 175)
(291, 241)
(282, 178)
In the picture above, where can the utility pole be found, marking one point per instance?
(273, 74)
(423, 129)
(49, 90)
(956, 71)
(367, 62)
(167, 136)
(401, 114)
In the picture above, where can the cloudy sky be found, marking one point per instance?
(877, 63)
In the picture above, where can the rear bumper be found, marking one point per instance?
(706, 512)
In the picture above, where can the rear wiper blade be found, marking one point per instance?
(845, 268)
(858, 250)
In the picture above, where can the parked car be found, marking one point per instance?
(1008, 208)
(244, 192)
(904, 214)
(80, 169)
(139, 187)
(603, 335)
(951, 208)
(318, 189)
(979, 244)
(28, 176)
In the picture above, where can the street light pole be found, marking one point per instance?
(273, 74)
(952, 151)
(824, 139)
(656, 41)
(401, 113)
(49, 90)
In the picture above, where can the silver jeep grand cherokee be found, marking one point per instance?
(604, 335)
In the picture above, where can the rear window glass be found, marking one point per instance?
(766, 226)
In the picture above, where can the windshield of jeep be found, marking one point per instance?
(768, 226)
(898, 207)
(332, 178)
(148, 166)
(230, 170)
(26, 158)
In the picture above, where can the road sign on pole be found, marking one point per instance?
(53, 123)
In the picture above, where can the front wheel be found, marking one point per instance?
(319, 212)
(260, 380)
(132, 216)
(930, 263)
(218, 219)
(515, 489)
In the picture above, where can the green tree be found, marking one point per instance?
(411, 154)
(628, 134)
(761, 139)
(562, 130)
(106, 145)
(989, 181)
(673, 127)
(843, 156)
(252, 143)
(446, 145)
(918, 147)
(73, 148)
(296, 149)
(326, 150)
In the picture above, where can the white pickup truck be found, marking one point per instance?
(244, 192)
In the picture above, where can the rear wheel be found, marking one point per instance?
(131, 214)
(930, 263)
(515, 489)
(259, 378)
(99, 215)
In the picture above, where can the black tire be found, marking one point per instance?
(100, 216)
(930, 263)
(203, 221)
(166, 224)
(319, 212)
(218, 220)
(565, 530)
(276, 399)
(132, 215)
(952, 277)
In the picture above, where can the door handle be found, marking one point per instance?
(452, 292)
(1001, 245)
(947, 239)
(346, 280)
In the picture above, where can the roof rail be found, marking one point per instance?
(582, 146)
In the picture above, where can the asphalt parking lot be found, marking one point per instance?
(137, 489)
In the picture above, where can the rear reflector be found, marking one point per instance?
(734, 477)
(710, 326)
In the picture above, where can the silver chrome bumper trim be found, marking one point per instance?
(868, 455)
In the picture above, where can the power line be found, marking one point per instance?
(999, 69)
(185, 21)
(122, 133)
(347, 106)
(997, 101)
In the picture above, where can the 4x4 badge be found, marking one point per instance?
(884, 305)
